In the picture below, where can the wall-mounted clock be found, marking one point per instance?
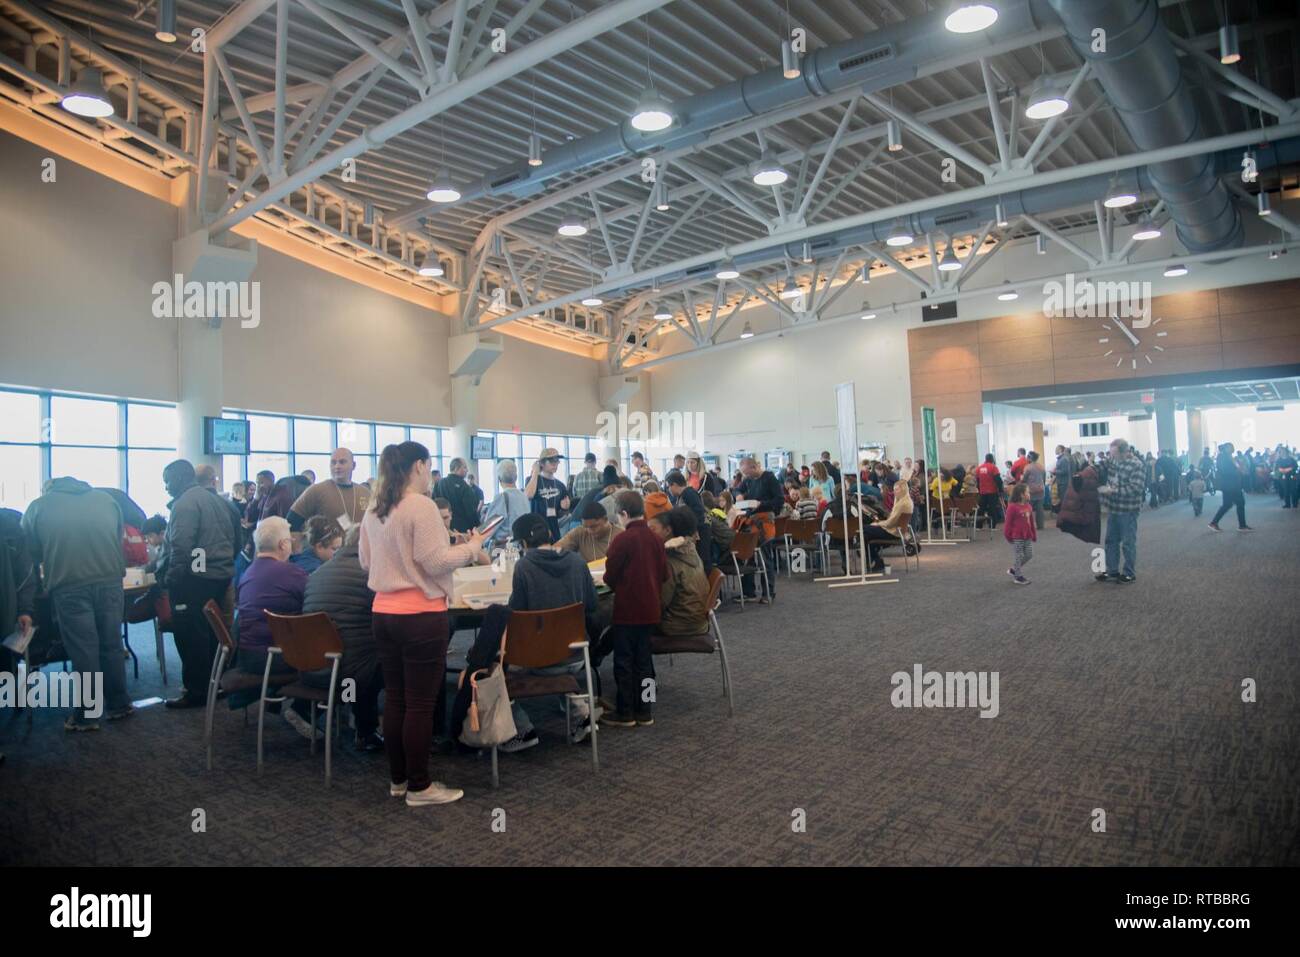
(1126, 343)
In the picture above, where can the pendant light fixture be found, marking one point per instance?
(430, 267)
(949, 261)
(87, 96)
(661, 196)
(1046, 96)
(768, 171)
(572, 226)
(748, 331)
(868, 315)
(864, 274)
(966, 17)
(1117, 196)
(1040, 245)
(789, 59)
(652, 112)
(807, 253)
(534, 141)
(1173, 272)
(443, 189)
(1229, 48)
(1146, 229)
(165, 23)
(1008, 292)
(894, 135)
(1265, 209)
(1000, 215)
(727, 270)
(899, 235)
(663, 314)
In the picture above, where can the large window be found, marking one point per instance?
(292, 444)
(109, 443)
(523, 448)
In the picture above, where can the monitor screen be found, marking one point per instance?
(225, 436)
(482, 447)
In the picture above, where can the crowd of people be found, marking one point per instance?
(379, 559)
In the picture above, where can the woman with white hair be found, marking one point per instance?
(510, 502)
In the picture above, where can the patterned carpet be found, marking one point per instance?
(1125, 698)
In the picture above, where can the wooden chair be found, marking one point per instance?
(747, 557)
(308, 643)
(219, 679)
(702, 644)
(838, 529)
(779, 538)
(544, 639)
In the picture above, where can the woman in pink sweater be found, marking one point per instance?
(408, 553)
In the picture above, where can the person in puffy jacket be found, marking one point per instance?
(684, 596)
(1080, 513)
(339, 588)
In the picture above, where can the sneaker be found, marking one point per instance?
(1215, 527)
(72, 724)
(298, 723)
(1126, 579)
(1245, 528)
(366, 743)
(435, 793)
(1105, 577)
(616, 720)
(582, 731)
(1011, 572)
(1021, 580)
(520, 742)
(121, 713)
(645, 720)
(397, 790)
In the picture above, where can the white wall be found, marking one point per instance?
(79, 257)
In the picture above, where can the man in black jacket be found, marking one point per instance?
(759, 485)
(681, 493)
(339, 588)
(1232, 486)
(200, 561)
(464, 500)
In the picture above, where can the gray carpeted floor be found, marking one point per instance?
(1124, 698)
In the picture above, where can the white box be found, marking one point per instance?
(479, 580)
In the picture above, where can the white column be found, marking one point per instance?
(1166, 427)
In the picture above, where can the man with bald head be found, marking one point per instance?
(337, 497)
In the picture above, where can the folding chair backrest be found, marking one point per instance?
(212, 612)
(744, 545)
(835, 528)
(781, 525)
(305, 639)
(539, 639)
(716, 579)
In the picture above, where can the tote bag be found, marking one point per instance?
(489, 721)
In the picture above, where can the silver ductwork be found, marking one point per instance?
(894, 54)
(1140, 74)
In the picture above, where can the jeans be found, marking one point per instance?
(1231, 498)
(633, 664)
(991, 507)
(195, 642)
(413, 654)
(1121, 535)
(90, 622)
(1197, 505)
(1039, 503)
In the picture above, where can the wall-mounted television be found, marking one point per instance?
(482, 447)
(225, 436)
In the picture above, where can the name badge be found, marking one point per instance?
(550, 513)
(344, 521)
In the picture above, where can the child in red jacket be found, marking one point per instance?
(635, 568)
(1020, 532)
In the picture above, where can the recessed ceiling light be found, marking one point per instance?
(652, 114)
(572, 226)
(970, 17)
(87, 96)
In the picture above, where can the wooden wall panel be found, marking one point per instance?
(1281, 350)
(1006, 351)
(947, 381)
(1259, 297)
(1015, 374)
(1014, 327)
(1265, 324)
(1188, 305)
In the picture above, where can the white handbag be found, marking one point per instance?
(489, 720)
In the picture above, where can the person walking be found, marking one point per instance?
(1020, 531)
(1123, 491)
(1034, 476)
(1231, 484)
(1288, 486)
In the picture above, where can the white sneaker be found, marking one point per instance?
(397, 790)
(435, 793)
(520, 742)
(298, 723)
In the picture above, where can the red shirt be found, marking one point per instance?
(986, 476)
(635, 567)
(1018, 467)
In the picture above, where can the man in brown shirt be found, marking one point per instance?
(590, 539)
(337, 497)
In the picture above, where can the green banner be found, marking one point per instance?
(931, 436)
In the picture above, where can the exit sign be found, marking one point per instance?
(1148, 398)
